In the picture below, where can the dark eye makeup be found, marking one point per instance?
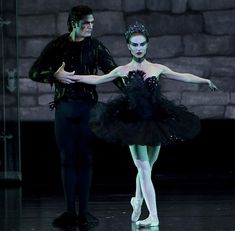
(136, 44)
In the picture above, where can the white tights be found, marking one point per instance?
(144, 157)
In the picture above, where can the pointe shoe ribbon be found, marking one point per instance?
(136, 205)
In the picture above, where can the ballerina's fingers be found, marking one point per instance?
(212, 86)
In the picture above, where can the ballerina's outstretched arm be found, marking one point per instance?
(98, 79)
(187, 77)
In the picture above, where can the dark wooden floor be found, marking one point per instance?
(194, 182)
(181, 206)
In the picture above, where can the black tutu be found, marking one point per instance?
(142, 115)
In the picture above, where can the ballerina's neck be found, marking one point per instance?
(138, 60)
(139, 64)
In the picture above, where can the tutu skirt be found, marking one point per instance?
(143, 116)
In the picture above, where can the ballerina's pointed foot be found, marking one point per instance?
(151, 221)
(136, 205)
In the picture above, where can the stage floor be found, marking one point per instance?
(199, 207)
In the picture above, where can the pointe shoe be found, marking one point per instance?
(151, 221)
(136, 205)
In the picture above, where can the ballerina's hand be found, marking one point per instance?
(77, 78)
(212, 86)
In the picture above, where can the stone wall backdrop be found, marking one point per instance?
(196, 36)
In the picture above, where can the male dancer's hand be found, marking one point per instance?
(63, 76)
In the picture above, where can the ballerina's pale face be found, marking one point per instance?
(138, 45)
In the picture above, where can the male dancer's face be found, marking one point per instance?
(84, 27)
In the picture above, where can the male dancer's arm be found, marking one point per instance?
(46, 64)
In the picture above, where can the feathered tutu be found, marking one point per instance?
(142, 115)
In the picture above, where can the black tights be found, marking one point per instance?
(73, 180)
(74, 140)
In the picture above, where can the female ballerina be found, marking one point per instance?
(142, 117)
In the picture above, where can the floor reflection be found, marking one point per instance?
(10, 201)
(136, 228)
(179, 210)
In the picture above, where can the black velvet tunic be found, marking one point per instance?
(83, 57)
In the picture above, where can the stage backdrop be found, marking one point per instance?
(195, 36)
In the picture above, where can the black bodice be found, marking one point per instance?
(137, 79)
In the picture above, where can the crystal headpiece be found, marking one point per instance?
(134, 29)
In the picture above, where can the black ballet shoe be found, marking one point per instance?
(65, 220)
(87, 221)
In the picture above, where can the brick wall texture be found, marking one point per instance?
(196, 36)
